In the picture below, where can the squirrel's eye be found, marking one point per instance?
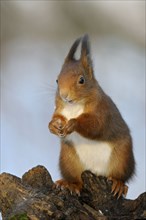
(57, 81)
(81, 80)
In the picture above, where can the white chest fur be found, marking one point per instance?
(94, 155)
(72, 110)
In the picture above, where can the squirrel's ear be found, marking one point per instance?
(86, 57)
(72, 51)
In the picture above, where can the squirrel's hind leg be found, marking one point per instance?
(71, 169)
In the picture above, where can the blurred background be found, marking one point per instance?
(35, 38)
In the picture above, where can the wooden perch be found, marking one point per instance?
(32, 197)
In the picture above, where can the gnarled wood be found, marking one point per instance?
(32, 197)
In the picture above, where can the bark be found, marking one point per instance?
(33, 197)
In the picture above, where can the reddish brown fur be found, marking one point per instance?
(70, 165)
(101, 121)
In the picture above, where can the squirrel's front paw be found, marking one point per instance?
(70, 127)
(57, 125)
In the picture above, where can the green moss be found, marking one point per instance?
(19, 217)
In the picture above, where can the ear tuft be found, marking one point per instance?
(72, 51)
(85, 51)
(85, 56)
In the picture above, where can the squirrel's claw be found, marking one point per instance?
(118, 187)
(74, 188)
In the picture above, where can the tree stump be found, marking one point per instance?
(33, 197)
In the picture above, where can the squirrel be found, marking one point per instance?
(93, 134)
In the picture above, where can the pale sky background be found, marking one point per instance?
(35, 38)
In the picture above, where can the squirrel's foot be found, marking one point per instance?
(118, 187)
(74, 188)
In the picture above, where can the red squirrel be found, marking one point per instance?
(93, 134)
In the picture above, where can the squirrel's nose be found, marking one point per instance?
(65, 96)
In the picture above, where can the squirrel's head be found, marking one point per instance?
(76, 79)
